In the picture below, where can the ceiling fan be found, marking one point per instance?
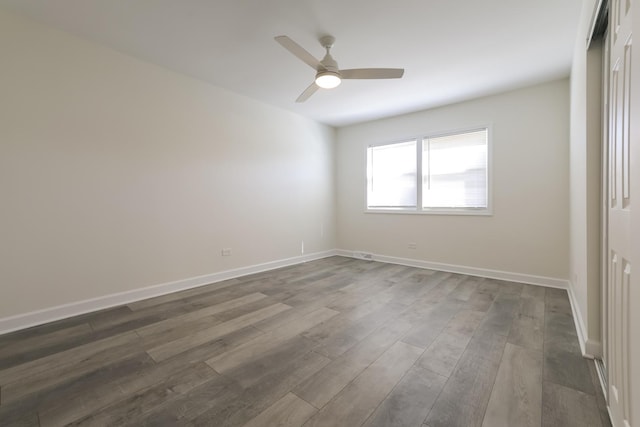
(328, 75)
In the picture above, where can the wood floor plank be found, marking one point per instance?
(179, 345)
(355, 306)
(563, 361)
(557, 301)
(569, 370)
(62, 324)
(336, 341)
(61, 340)
(516, 398)
(500, 316)
(487, 345)
(480, 301)
(282, 320)
(452, 412)
(133, 408)
(77, 400)
(40, 382)
(364, 287)
(472, 380)
(34, 343)
(46, 372)
(562, 406)
(74, 400)
(443, 354)
(300, 291)
(560, 333)
(271, 362)
(509, 288)
(258, 397)
(173, 322)
(329, 381)
(290, 411)
(432, 324)
(212, 295)
(464, 322)
(490, 287)
(217, 394)
(532, 307)
(243, 309)
(447, 283)
(533, 291)
(527, 329)
(182, 295)
(341, 341)
(128, 380)
(464, 399)
(356, 402)
(311, 300)
(219, 345)
(153, 338)
(18, 418)
(407, 293)
(260, 346)
(410, 401)
(54, 361)
(466, 288)
(328, 330)
(405, 274)
(527, 332)
(128, 321)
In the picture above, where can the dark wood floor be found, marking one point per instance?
(334, 342)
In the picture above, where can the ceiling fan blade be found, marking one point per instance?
(313, 87)
(299, 51)
(372, 73)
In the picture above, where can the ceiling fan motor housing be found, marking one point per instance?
(329, 64)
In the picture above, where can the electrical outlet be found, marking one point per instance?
(413, 245)
(226, 251)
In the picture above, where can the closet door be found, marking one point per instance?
(618, 336)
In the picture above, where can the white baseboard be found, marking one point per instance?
(460, 269)
(26, 320)
(591, 349)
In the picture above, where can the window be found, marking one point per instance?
(393, 176)
(437, 174)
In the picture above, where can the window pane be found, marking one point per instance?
(391, 176)
(455, 171)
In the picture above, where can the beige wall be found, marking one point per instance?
(528, 232)
(116, 174)
(585, 184)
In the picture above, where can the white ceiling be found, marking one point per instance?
(451, 50)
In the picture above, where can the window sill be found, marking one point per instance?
(456, 212)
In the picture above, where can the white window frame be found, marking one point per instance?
(419, 210)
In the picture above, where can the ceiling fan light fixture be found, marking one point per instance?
(328, 79)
